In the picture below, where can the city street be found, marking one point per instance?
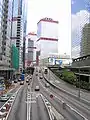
(56, 102)
(21, 107)
(30, 105)
(67, 87)
(19, 111)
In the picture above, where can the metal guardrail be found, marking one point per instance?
(6, 108)
(66, 92)
(64, 105)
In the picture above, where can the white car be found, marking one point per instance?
(22, 83)
(4, 98)
(30, 77)
(47, 85)
(27, 81)
(41, 77)
(37, 88)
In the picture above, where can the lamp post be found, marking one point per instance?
(79, 85)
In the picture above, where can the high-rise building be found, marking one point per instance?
(19, 27)
(6, 16)
(1, 14)
(5, 37)
(47, 37)
(80, 16)
(31, 49)
(85, 42)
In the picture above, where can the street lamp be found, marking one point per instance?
(79, 85)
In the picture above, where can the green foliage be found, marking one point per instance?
(70, 77)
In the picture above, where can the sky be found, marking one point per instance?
(58, 10)
(80, 12)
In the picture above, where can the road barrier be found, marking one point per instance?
(66, 92)
(6, 108)
(64, 105)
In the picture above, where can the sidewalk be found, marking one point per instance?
(68, 87)
(9, 89)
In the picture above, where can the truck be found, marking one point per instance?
(22, 77)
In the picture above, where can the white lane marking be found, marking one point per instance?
(12, 103)
(77, 112)
(64, 102)
(65, 90)
(50, 114)
(29, 102)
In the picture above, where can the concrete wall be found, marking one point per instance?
(81, 63)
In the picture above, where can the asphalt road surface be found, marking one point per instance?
(19, 109)
(37, 109)
(69, 88)
(68, 113)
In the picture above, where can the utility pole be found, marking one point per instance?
(79, 85)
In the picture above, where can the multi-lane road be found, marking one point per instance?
(30, 104)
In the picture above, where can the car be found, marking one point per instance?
(37, 88)
(41, 77)
(22, 83)
(4, 98)
(27, 81)
(36, 74)
(39, 71)
(19, 80)
(30, 77)
(15, 81)
(47, 85)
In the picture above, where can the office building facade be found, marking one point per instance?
(47, 37)
(19, 27)
(1, 14)
(80, 16)
(85, 42)
(5, 37)
(6, 13)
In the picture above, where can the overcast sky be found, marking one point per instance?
(58, 10)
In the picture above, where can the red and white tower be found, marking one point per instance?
(47, 37)
(30, 49)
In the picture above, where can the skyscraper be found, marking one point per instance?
(1, 3)
(19, 27)
(85, 42)
(47, 35)
(5, 37)
(80, 10)
(6, 10)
